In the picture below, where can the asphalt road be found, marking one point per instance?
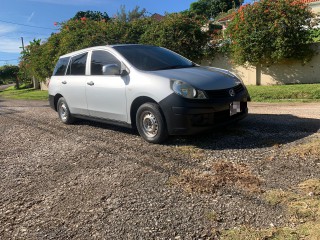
(96, 181)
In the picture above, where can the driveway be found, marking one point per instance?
(3, 87)
(92, 180)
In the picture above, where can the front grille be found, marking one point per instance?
(210, 119)
(223, 93)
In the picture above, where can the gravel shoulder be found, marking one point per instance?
(92, 180)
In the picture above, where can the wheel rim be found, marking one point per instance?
(63, 111)
(149, 124)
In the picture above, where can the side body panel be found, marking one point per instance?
(106, 97)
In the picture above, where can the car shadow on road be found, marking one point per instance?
(106, 126)
(256, 131)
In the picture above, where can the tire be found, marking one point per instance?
(150, 123)
(64, 112)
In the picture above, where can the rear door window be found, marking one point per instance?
(101, 58)
(77, 65)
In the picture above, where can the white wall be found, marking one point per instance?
(285, 73)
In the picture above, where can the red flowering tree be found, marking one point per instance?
(270, 31)
(180, 33)
(177, 32)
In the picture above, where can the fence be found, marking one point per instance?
(289, 72)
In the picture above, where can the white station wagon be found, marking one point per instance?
(146, 87)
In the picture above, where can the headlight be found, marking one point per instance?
(186, 90)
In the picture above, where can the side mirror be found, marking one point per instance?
(111, 69)
(124, 72)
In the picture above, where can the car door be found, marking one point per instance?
(73, 84)
(106, 94)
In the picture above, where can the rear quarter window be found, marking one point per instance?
(61, 67)
(77, 65)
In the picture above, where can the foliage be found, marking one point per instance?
(32, 61)
(131, 15)
(179, 33)
(9, 72)
(315, 35)
(92, 15)
(211, 9)
(267, 31)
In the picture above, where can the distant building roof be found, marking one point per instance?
(226, 18)
(309, 1)
(157, 17)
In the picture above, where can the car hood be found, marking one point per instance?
(204, 78)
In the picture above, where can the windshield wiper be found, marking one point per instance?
(175, 67)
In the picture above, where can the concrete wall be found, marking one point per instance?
(285, 73)
(44, 85)
(315, 7)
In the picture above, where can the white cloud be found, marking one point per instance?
(6, 28)
(30, 17)
(10, 45)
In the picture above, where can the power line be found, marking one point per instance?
(8, 60)
(26, 25)
(27, 32)
(18, 37)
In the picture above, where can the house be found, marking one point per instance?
(313, 4)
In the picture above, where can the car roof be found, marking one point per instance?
(98, 47)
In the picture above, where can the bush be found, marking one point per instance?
(270, 31)
(177, 32)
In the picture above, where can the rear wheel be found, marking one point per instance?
(150, 123)
(64, 112)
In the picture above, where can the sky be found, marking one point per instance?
(34, 19)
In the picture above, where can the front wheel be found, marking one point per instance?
(64, 112)
(150, 123)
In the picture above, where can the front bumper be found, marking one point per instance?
(189, 116)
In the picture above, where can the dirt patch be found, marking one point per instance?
(221, 174)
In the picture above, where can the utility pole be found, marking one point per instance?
(22, 43)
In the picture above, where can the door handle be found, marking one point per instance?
(90, 83)
(64, 82)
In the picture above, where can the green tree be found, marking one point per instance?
(179, 33)
(32, 61)
(10, 72)
(93, 15)
(211, 8)
(131, 15)
(267, 32)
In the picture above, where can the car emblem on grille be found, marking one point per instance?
(232, 93)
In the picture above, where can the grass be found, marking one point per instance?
(285, 93)
(24, 93)
(307, 149)
(303, 214)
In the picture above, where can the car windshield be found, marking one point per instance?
(152, 58)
